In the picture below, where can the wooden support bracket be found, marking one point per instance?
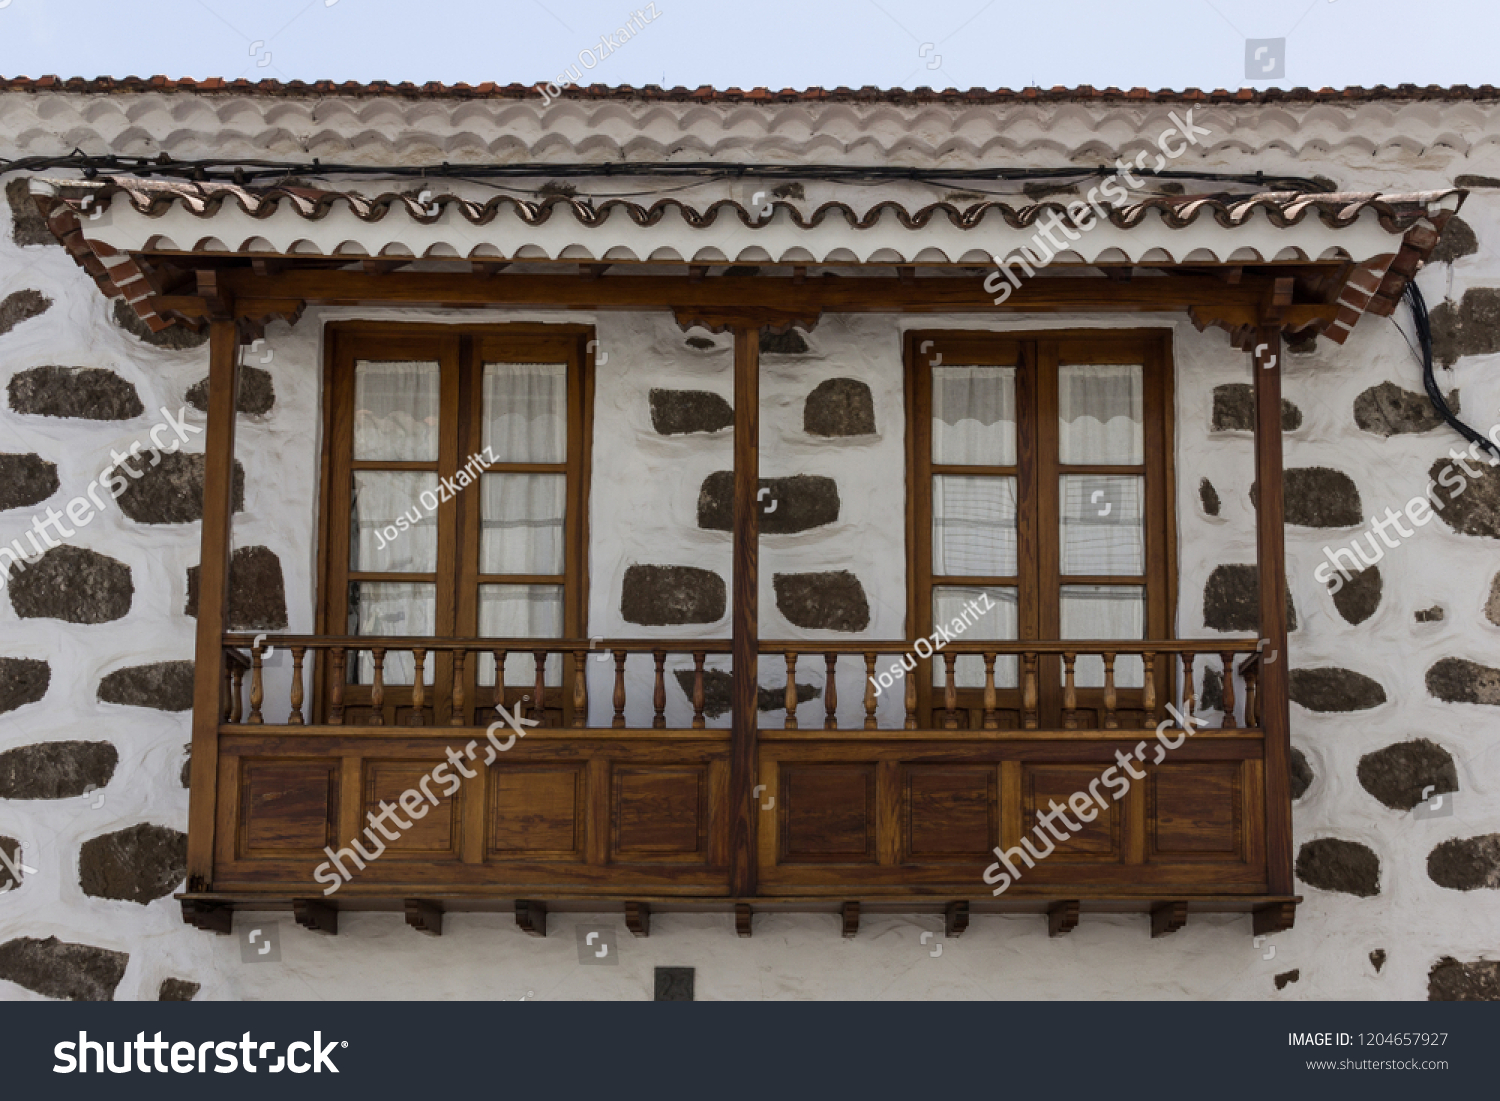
(742, 918)
(850, 913)
(1168, 917)
(317, 915)
(1062, 918)
(955, 918)
(638, 918)
(1277, 917)
(531, 917)
(211, 917)
(425, 917)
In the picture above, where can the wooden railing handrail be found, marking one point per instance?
(515, 645)
(1021, 646)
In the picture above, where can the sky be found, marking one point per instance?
(775, 43)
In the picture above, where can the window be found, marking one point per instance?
(454, 503)
(1041, 488)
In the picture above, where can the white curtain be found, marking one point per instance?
(1100, 409)
(973, 526)
(526, 412)
(521, 530)
(997, 624)
(520, 611)
(1101, 525)
(380, 496)
(974, 416)
(1105, 612)
(396, 411)
(392, 608)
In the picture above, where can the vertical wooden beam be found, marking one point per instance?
(745, 642)
(1270, 557)
(213, 596)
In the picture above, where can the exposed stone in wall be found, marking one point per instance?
(187, 766)
(670, 596)
(677, 412)
(1466, 863)
(257, 591)
(717, 698)
(828, 601)
(1388, 410)
(1377, 959)
(794, 504)
(1492, 605)
(58, 969)
(56, 770)
(1234, 409)
(175, 338)
(1458, 240)
(1286, 977)
(1302, 344)
(26, 480)
(1359, 596)
(1209, 496)
(1434, 614)
(1458, 680)
(1476, 509)
(22, 681)
(11, 848)
(839, 407)
(1451, 981)
(27, 225)
(1302, 773)
(789, 343)
(1470, 328)
(138, 864)
(90, 393)
(1212, 696)
(1336, 865)
(177, 990)
(73, 584)
(1398, 774)
(257, 393)
(22, 306)
(172, 491)
(1231, 600)
(164, 685)
(1317, 497)
(700, 343)
(1335, 689)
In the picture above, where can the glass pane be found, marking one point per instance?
(973, 526)
(526, 412)
(1100, 410)
(520, 611)
(974, 416)
(392, 608)
(522, 523)
(391, 529)
(1102, 532)
(396, 411)
(996, 621)
(1106, 612)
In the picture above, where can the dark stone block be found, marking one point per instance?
(257, 591)
(1398, 774)
(1466, 863)
(701, 343)
(839, 407)
(717, 698)
(75, 585)
(1358, 596)
(1470, 328)
(674, 984)
(22, 306)
(828, 601)
(164, 685)
(1458, 680)
(171, 492)
(1475, 508)
(177, 990)
(1231, 600)
(187, 766)
(57, 969)
(22, 681)
(257, 393)
(10, 880)
(1317, 497)
(176, 338)
(1388, 410)
(90, 393)
(27, 225)
(56, 770)
(1377, 959)
(1212, 696)
(1302, 773)
(1451, 981)
(670, 596)
(1234, 409)
(1344, 866)
(26, 480)
(789, 343)
(139, 864)
(677, 412)
(1209, 496)
(1458, 240)
(1335, 689)
(800, 503)
(1286, 977)
(1434, 614)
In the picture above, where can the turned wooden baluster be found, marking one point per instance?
(1148, 693)
(377, 687)
(870, 723)
(619, 719)
(1111, 700)
(991, 719)
(500, 658)
(539, 690)
(257, 686)
(1028, 691)
(236, 702)
(830, 692)
(659, 694)
(950, 692)
(418, 687)
(911, 702)
(1070, 693)
(698, 694)
(1228, 722)
(295, 718)
(1251, 674)
(580, 689)
(1189, 690)
(790, 697)
(336, 693)
(460, 712)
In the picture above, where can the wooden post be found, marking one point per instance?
(1270, 557)
(213, 596)
(745, 645)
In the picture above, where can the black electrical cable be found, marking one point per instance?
(1424, 338)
